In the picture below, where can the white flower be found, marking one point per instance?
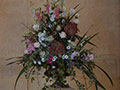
(44, 32)
(66, 57)
(42, 53)
(36, 27)
(53, 67)
(63, 21)
(72, 11)
(34, 62)
(62, 35)
(49, 25)
(81, 44)
(63, 56)
(73, 44)
(77, 15)
(44, 44)
(76, 21)
(39, 62)
(58, 28)
(54, 58)
(43, 59)
(52, 18)
(36, 44)
(55, 23)
(51, 11)
(26, 52)
(50, 38)
(68, 47)
(63, 14)
(40, 34)
(42, 38)
(69, 41)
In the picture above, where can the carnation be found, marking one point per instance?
(71, 29)
(57, 47)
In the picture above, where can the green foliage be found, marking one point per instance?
(105, 73)
(71, 52)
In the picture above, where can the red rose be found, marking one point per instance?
(71, 29)
(57, 48)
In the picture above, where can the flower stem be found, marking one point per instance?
(28, 84)
(85, 81)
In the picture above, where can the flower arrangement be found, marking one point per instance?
(53, 43)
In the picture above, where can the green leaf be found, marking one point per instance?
(88, 41)
(91, 76)
(96, 86)
(13, 62)
(84, 35)
(13, 58)
(32, 79)
(74, 14)
(10, 58)
(92, 36)
(77, 6)
(21, 72)
(105, 74)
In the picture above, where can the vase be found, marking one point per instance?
(60, 86)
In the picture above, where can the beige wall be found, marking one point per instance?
(102, 15)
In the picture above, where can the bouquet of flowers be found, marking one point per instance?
(53, 43)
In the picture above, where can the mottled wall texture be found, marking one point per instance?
(101, 16)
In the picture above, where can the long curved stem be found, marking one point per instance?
(85, 81)
(28, 84)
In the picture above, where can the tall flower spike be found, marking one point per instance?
(48, 8)
(38, 16)
(57, 13)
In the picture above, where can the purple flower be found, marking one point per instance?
(31, 48)
(27, 41)
(74, 54)
(90, 56)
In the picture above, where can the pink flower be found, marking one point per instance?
(56, 13)
(31, 48)
(71, 29)
(27, 41)
(47, 8)
(38, 16)
(50, 59)
(57, 48)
